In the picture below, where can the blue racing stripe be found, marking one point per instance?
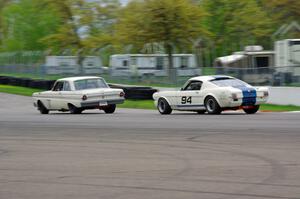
(249, 96)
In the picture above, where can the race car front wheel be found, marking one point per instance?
(212, 106)
(164, 107)
(251, 110)
(42, 108)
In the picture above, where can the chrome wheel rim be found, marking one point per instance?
(210, 105)
(161, 106)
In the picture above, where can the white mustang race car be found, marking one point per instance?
(76, 94)
(212, 94)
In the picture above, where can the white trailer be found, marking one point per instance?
(152, 64)
(69, 65)
(287, 56)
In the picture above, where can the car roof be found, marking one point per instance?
(77, 78)
(209, 77)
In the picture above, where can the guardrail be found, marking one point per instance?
(131, 92)
(284, 95)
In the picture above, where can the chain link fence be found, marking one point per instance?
(32, 65)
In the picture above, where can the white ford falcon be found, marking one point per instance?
(212, 94)
(76, 94)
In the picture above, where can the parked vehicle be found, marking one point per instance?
(212, 94)
(56, 65)
(152, 64)
(260, 66)
(287, 57)
(76, 94)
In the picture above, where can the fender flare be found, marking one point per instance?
(165, 98)
(212, 95)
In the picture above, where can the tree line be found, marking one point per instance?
(80, 27)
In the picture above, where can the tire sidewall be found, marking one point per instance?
(110, 109)
(74, 110)
(252, 110)
(163, 106)
(212, 106)
(42, 108)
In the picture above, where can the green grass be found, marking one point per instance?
(140, 104)
(209, 71)
(17, 90)
(278, 108)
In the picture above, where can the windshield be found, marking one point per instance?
(90, 84)
(230, 82)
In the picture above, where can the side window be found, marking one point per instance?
(125, 63)
(193, 85)
(58, 86)
(133, 61)
(159, 63)
(184, 62)
(66, 86)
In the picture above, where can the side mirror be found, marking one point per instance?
(181, 89)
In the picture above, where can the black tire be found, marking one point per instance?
(201, 112)
(212, 106)
(74, 110)
(163, 107)
(251, 110)
(42, 108)
(110, 109)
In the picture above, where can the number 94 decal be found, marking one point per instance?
(186, 100)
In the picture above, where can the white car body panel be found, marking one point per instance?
(59, 100)
(223, 95)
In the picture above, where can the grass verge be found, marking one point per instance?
(17, 90)
(278, 108)
(140, 104)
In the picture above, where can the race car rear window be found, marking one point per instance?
(224, 82)
(90, 84)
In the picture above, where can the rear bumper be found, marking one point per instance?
(241, 102)
(91, 104)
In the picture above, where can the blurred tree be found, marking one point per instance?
(85, 25)
(175, 23)
(24, 23)
(101, 29)
(236, 23)
(3, 3)
(283, 11)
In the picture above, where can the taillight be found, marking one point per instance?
(234, 96)
(122, 94)
(84, 97)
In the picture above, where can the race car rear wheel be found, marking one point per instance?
(212, 105)
(110, 109)
(163, 107)
(74, 110)
(251, 110)
(42, 108)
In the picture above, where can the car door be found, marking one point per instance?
(65, 95)
(190, 97)
(55, 99)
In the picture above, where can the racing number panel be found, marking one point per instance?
(186, 100)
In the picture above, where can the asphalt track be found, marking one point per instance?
(139, 154)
